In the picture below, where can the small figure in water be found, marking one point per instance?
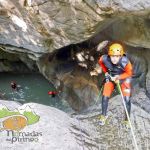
(14, 86)
(53, 93)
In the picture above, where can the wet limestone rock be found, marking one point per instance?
(54, 130)
(32, 29)
(114, 135)
(58, 130)
(36, 27)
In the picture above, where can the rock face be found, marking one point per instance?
(55, 130)
(36, 27)
(59, 39)
(113, 135)
(58, 130)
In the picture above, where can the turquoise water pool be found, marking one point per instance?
(32, 88)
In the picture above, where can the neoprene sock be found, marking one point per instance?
(104, 105)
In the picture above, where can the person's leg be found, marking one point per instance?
(108, 89)
(126, 90)
(104, 104)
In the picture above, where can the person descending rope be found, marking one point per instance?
(117, 68)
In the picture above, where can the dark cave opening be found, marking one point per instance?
(79, 56)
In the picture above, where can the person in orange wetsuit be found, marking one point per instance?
(117, 65)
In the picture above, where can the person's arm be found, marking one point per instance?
(96, 71)
(102, 64)
(128, 72)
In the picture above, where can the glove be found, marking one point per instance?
(106, 74)
(115, 79)
(107, 77)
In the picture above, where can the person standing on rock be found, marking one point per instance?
(117, 65)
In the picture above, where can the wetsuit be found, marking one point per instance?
(52, 93)
(124, 70)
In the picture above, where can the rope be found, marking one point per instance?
(99, 94)
(135, 142)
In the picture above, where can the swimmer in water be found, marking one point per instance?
(14, 86)
(53, 93)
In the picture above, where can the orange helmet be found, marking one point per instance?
(116, 49)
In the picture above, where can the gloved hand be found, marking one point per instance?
(107, 74)
(115, 79)
(107, 77)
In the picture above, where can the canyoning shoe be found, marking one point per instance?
(102, 120)
(126, 124)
